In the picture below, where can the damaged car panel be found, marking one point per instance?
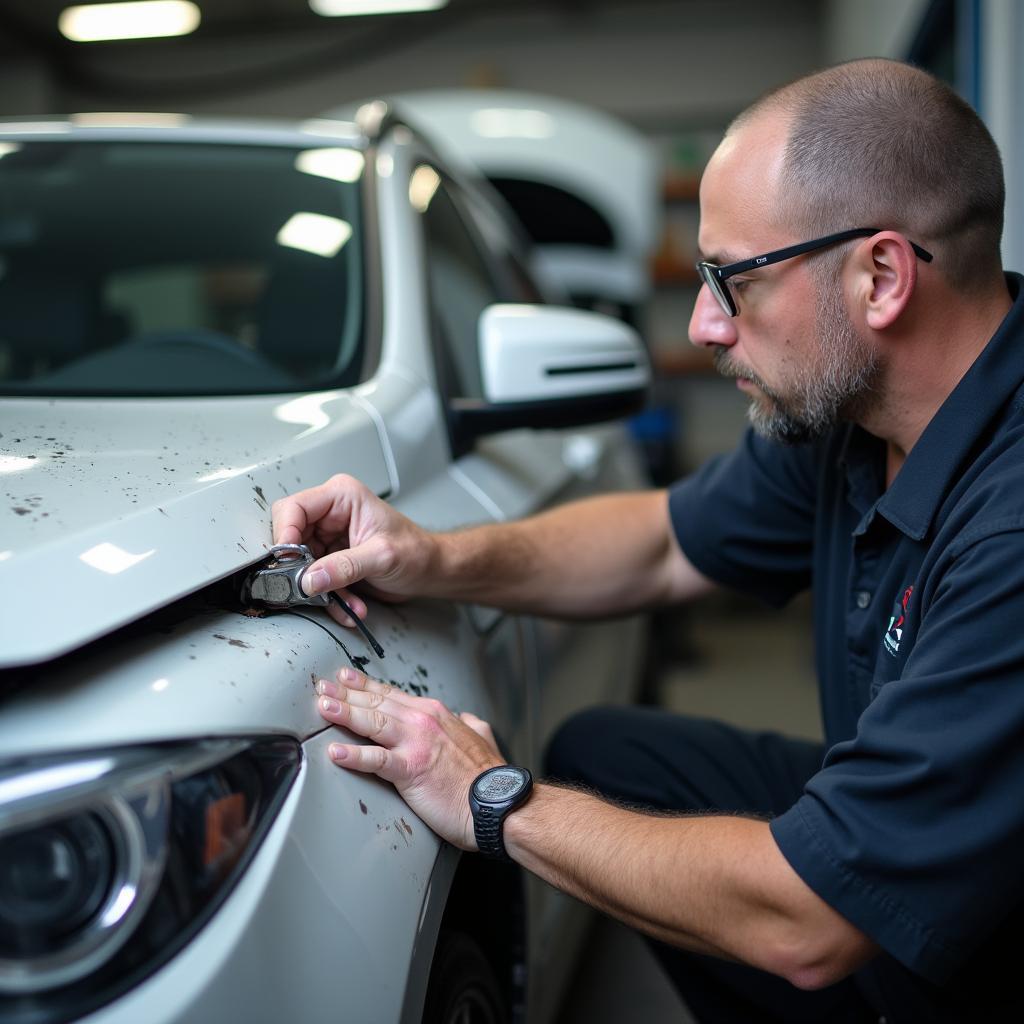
(175, 844)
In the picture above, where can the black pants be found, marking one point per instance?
(653, 759)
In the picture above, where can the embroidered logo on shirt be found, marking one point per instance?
(894, 632)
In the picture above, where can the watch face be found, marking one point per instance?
(499, 784)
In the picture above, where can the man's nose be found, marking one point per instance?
(708, 324)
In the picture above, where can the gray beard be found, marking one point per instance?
(840, 385)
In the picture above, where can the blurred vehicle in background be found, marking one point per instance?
(585, 186)
(196, 319)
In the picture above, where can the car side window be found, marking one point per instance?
(461, 279)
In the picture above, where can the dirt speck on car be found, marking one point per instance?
(231, 640)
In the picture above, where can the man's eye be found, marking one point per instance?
(739, 283)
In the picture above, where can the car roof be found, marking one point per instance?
(159, 127)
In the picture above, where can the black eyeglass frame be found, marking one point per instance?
(715, 277)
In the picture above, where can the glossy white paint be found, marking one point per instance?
(122, 505)
(529, 352)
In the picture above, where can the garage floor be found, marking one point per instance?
(734, 661)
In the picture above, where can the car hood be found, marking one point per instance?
(112, 508)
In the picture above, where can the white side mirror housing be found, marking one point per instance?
(544, 353)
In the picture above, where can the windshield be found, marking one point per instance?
(160, 268)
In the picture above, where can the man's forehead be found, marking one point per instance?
(739, 191)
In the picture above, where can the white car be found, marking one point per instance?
(196, 319)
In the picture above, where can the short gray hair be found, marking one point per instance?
(878, 143)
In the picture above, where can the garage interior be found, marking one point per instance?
(675, 70)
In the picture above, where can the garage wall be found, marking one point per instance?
(1002, 36)
(871, 28)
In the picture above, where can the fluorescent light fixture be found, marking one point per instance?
(346, 8)
(315, 233)
(336, 164)
(111, 559)
(141, 19)
(512, 123)
(422, 186)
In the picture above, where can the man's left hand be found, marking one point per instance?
(430, 755)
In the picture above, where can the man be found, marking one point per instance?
(884, 361)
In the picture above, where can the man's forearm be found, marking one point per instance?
(715, 885)
(603, 556)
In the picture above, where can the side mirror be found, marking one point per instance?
(544, 366)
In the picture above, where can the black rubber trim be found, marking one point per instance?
(473, 418)
(566, 371)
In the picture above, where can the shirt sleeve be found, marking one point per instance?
(913, 829)
(746, 519)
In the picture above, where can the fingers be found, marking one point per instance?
(357, 688)
(365, 696)
(373, 760)
(340, 569)
(379, 724)
(295, 517)
(429, 754)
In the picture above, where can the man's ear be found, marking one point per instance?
(886, 269)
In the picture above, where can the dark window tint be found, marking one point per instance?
(552, 216)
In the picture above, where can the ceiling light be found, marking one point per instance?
(343, 8)
(142, 19)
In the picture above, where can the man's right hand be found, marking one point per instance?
(357, 538)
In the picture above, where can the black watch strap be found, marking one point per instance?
(487, 827)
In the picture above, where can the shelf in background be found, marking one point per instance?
(681, 359)
(674, 272)
(681, 188)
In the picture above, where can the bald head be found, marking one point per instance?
(876, 143)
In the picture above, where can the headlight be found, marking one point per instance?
(110, 862)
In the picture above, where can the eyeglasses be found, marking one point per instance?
(715, 277)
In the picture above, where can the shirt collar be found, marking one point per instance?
(936, 459)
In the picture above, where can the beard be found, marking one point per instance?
(838, 385)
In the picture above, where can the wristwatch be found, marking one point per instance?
(495, 793)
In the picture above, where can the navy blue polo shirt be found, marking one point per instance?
(913, 829)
